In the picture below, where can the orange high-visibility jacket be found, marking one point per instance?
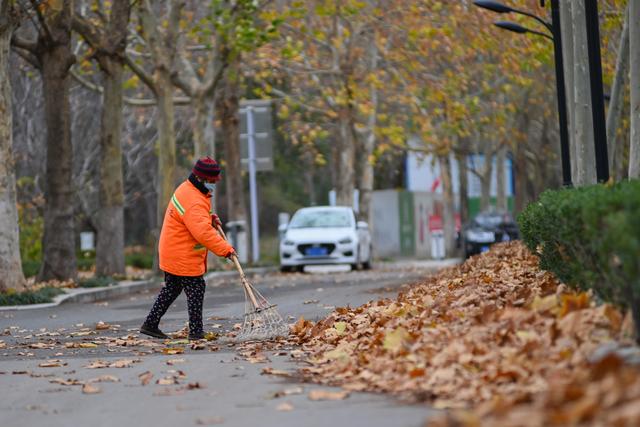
(187, 233)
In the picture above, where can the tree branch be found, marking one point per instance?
(88, 32)
(25, 44)
(43, 22)
(27, 56)
(141, 73)
(136, 102)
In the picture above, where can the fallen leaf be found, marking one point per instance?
(104, 379)
(52, 364)
(87, 345)
(97, 364)
(145, 377)
(170, 380)
(101, 326)
(172, 362)
(198, 346)
(328, 395)
(194, 386)
(124, 363)
(284, 407)
(394, 340)
(270, 371)
(90, 389)
(40, 345)
(173, 350)
(62, 381)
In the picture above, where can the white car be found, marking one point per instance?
(325, 235)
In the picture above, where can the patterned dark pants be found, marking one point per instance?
(173, 285)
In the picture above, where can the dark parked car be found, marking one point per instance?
(487, 228)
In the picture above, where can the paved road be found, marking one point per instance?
(225, 389)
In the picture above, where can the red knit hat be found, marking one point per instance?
(206, 168)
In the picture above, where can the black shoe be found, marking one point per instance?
(152, 331)
(196, 336)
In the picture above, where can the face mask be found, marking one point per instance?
(211, 186)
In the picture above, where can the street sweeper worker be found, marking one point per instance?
(187, 233)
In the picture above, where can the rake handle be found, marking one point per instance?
(243, 277)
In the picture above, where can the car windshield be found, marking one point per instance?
(321, 219)
(490, 220)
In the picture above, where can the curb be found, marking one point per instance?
(81, 295)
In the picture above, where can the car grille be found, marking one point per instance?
(307, 247)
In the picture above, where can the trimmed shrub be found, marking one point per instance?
(590, 238)
(29, 297)
(139, 260)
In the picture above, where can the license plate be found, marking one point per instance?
(484, 248)
(316, 251)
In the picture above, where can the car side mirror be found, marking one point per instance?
(282, 227)
(361, 225)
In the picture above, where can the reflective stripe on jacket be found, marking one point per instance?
(187, 233)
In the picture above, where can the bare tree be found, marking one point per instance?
(584, 138)
(161, 40)
(634, 51)
(51, 54)
(616, 105)
(109, 41)
(227, 109)
(11, 276)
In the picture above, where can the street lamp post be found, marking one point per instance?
(554, 28)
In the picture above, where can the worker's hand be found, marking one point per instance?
(215, 221)
(231, 253)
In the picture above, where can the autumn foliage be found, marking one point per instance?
(490, 334)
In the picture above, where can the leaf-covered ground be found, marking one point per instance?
(495, 336)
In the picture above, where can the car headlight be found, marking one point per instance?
(481, 236)
(345, 240)
(289, 242)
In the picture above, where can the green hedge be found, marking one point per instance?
(139, 260)
(590, 238)
(29, 297)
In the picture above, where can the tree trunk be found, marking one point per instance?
(166, 144)
(616, 104)
(11, 276)
(501, 196)
(309, 176)
(227, 109)
(369, 143)
(110, 239)
(634, 49)
(567, 54)
(485, 181)
(58, 242)
(110, 236)
(584, 138)
(345, 166)
(448, 218)
(463, 171)
(203, 135)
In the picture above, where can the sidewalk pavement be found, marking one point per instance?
(132, 286)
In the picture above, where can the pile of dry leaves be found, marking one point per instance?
(492, 333)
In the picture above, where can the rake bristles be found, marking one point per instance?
(261, 320)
